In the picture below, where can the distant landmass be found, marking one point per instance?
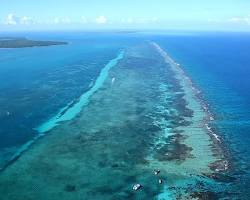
(8, 42)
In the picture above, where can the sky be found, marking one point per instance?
(212, 15)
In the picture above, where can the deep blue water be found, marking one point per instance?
(219, 65)
(35, 83)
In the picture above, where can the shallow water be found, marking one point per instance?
(144, 117)
(36, 83)
(124, 117)
(218, 64)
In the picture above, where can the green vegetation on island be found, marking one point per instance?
(8, 42)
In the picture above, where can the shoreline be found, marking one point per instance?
(16, 43)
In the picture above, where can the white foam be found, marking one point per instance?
(216, 137)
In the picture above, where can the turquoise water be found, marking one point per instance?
(39, 83)
(219, 66)
(69, 113)
(115, 107)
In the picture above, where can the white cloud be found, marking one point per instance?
(84, 20)
(240, 20)
(64, 20)
(56, 20)
(142, 21)
(234, 20)
(26, 20)
(12, 19)
(154, 19)
(101, 20)
(214, 20)
(139, 20)
(128, 20)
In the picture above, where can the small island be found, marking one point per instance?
(8, 42)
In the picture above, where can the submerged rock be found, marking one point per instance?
(157, 171)
(137, 186)
(203, 195)
(219, 165)
(70, 188)
(174, 149)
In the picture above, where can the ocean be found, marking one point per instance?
(92, 118)
(219, 66)
(36, 83)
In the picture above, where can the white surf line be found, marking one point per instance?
(177, 66)
(180, 72)
(83, 100)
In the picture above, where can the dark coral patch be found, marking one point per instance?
(70, 188)
(174, 149)
(204, 195)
